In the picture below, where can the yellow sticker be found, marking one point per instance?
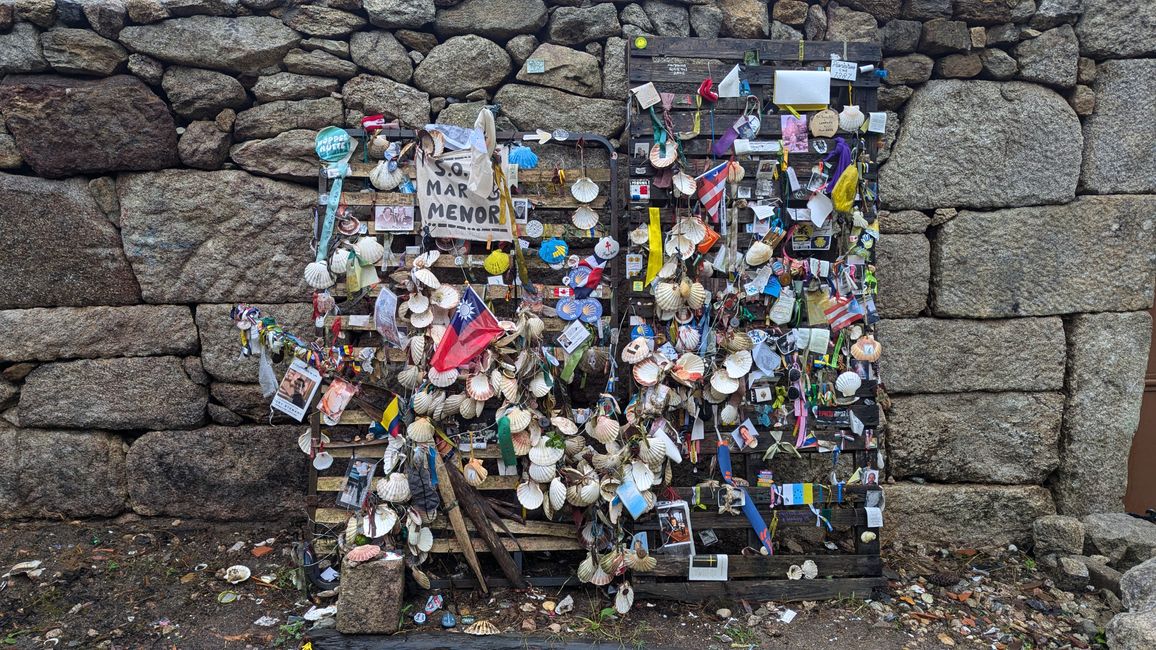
(638, 286)
(640, 42)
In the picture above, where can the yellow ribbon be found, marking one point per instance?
(654, 261)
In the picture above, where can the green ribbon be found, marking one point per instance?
(574, 359)
(506, 443)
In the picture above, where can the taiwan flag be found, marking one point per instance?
(471, 329)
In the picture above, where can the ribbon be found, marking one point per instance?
(331, 208)
(749, 509)
(654, 259)
(506, 443)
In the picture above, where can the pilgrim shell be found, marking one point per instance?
(652, 450)
(735, 172)
(666, 296)
(442, 378)
(475, 472)
(723, 383)
(684, 183)
(640, 236)
(369, 250)
(363, 553)
(794, 572)
(427, 278)
(736, 341)
(851, 118)
(470, 408)
(669, 268)
(600, 577)
(317, 275)
(636, 350)
(729, 415)
(738, 364)
(530, 495)
(423, 402)
(425, 540)
(426, 259)
(867, 349)
(339, 261)
(420, 577)
(586, 568)
(643, 477)
(535, 327)
(688, 338)
(713, 396)
(689, 368)
(385, 180)
(394, 488)
(565, 426)
(418, 303)
(847, 383)
(482, 628)
(541, 473)
(759, 253)
(611, 562)
(575, 445)
(522, 444)
(446, 297)
(479, 387)
(606, 462)
(417, 348)
(538, 385)
(557, 493)
(449, 407)
(647, 373)
(584, 189)
(624, 600)
(422, 320)
(237, 574)
(422, 430)
(692, 228)
(584, 218)
(583, 494)
(351, 531)
(608, 488)
(509, 388)
(606, 429)
(696, 297)
(641, 563)
(544, 454)
(661, 158)
(810, 569)
(384, 520)
(519, 419)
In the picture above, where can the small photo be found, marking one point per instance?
(871, 477)
(674, 527)
(297, 389)
(521, 210)
(393, 218)
(795, 136)
(356, 486)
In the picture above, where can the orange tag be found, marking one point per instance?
(708, 241)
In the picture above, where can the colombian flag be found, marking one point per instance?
(471, 329)
(390, 423)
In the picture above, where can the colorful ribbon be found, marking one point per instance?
(749, 509)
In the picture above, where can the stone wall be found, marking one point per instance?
(160, 167)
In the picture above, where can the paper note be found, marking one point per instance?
(877, 122)
(646, 94)
(874, 517)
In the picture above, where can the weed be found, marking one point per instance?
(1029, 564)
(112, 565)
(742, 635)
(289, 633)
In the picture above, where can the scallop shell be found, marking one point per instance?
(538, 385)
(600, 577)
(339, 261)
(421, 431)
(584, 218)
(584, 189)
(409, 377)
(847, 383)
(418, 303)
(422, 320)
(543, 454)
(470, 408)
(541, 473)
(652, 450)
(565, 426)
(448, 407)
(363, 553)
(606, 428)
(530, 495)
(758, 254)
(519, 419)
(684, 183)
(666, 296)
(420, 577)
(640, 236)
(738, 364)
(660, 158)
(394, 489)
(696, 296)
(482, 628)
(583, 494)
(424, 541)
(867, 349)
(442, 378)
(557, 493)
(417, 345)
(427, 259)
(427, 278)
(729, 416)
(384, 521)
(237, 574)
(810, 569)
(475, 472)
(369, 250)
(385, 180)
(689, 368)
(642, 475)
(636, 350)
(522, 445)
(688, 338)
(851, 118)
(575, 445)
(479, 387)
(586, 568)
(723, 383)
(423, 402)
(794, 572)
(509, 388)
(736, 341)
(669, 268)
(446, 297)
(641, 563)
(647, 373)
(317, 275)
(607, 462)
(624, 600)
(692, 228)
(535, 327)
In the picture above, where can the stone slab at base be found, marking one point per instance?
(370, 601)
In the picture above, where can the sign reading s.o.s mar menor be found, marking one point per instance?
(447, 206)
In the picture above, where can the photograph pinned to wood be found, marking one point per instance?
(355, 486)
(521, 210)
(297, 389)
(795, 136)
(393, 218)
(674, 531)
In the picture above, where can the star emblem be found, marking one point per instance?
(465, 310)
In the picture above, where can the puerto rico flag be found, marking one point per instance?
(842, 312)
(471, 329)
(711, 186)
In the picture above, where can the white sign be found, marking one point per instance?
(448, 208)
(844, 70)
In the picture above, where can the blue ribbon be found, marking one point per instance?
(749, 509)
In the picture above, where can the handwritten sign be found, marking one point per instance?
(447, 206)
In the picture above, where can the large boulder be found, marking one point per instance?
(672, 18)
(1132, 630)
(242, 44)
(534, 107)
(65, 126)
(221, 343)
(198, 94)
(1138, 586)
(462, 65)
(564, 68)
(904, 269)
(1107, 359)
(220, 473)
(322, 22)
(245, 244)
(498, 20)
(49, 268)
(319, 62)
(20, 51)
(81, 51)
(1098, 235)
(964, 515)
(1058, 534)
(1125, 540)
(1049, 58)
(92, 332)
(204, 145)
(247, 402)
(372, 95)
(845, 24)
(1118, 136)
(380, 52)
(929, 355)
(975, 437)
(1012, 144)
(988, 12)
(289, 156)
(1109, 29)
(578, 25)
(395, 14)
(289, 86)
(122, 393)
(745, 19)
(268, 120)
(47, 474)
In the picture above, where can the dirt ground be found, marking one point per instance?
(158, 584)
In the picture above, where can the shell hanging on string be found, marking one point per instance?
(541, 473)
(584, 189)
(427, 278)
(446, 297)
(384, 520)
(317, 275)
(666, 296)
(689, 368)
(867, 349)
(369, 250)
(723, 384)
(688, 339)
(523, 157)
(519, 419)
(479, 387)
(421, 431)
(636, 350)
(847, 383)
(758, 254)
(530, 495)
(557, 493)
(385, 179)
(394, 489)
(738, 364)
(442, 378)
(584, 218)
(647, 373)
(475, 472)
(543, 454)
(565, 426)
(339, 261)
(684, 184)
(851, 118)
(624, 600)
(661, 156)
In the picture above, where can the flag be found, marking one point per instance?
(842, 312)
(711, 186)
(586, 277)
(471, 329)
(390, 423)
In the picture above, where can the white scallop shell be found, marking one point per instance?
(696, 297)
(586, 568)
(660, 158)
(530, 495)
(422, 320)
(584, 218)
(475, 472)
(640, 235)
(759, 253)
(237, 574)
(384, 520)
(522, 442)
(417, 348)
(427, 277)
(652, 450)
(422, 430)
(543, 454)
(666, 296)
(418, 303)
(624, 600)
(317, 275)
(541, 473)
(723, 384)
(509, 387)
(427, 259)
(557, 493)
(642, 475)
(684, 183)
(669, 268)
(688, 338)
(693, 228)
(442, 378)
(794, 572)
(851, 118)
(339, 261)
(519, 419)
(810, 569)
(565, 426)
(425, 540)
(446, 297)
(479, 387)
(606, 428)
(394, 489)
(385, 180)
(689, 368)
(647, 373)
(636, 350)
(847, 383)
(470, 408)
(424, 401)
(738, 364)
(600, 577)
(535, 327)
(729, 416)
(369, 250)
(449, 407)
(538, 385)
(584, 189)
(737, 340)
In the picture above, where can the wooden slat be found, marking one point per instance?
(775, 566)
(602, 291)
(701, 519)
(540, 528)
(539, 175)
(693, 72)
(735, 48)
(777, 590)
(556, 201)
(334, 483)
(527, 544)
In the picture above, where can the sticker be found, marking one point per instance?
(634, 262)
(639, 190)
(825, 123)
(535, 66)
(534, 228)
(877, 122)
(638, 286)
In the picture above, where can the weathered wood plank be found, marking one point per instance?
(335, 483)
(527, 544)
(541, 528)
(777, 590)
(735, 48)
(693, 72)
(775, 566)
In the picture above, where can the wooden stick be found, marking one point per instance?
(450, 504)
(471, 502)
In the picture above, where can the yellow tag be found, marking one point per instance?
(808, 493)
(638, 286)
(654, 262)
(640, 42)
